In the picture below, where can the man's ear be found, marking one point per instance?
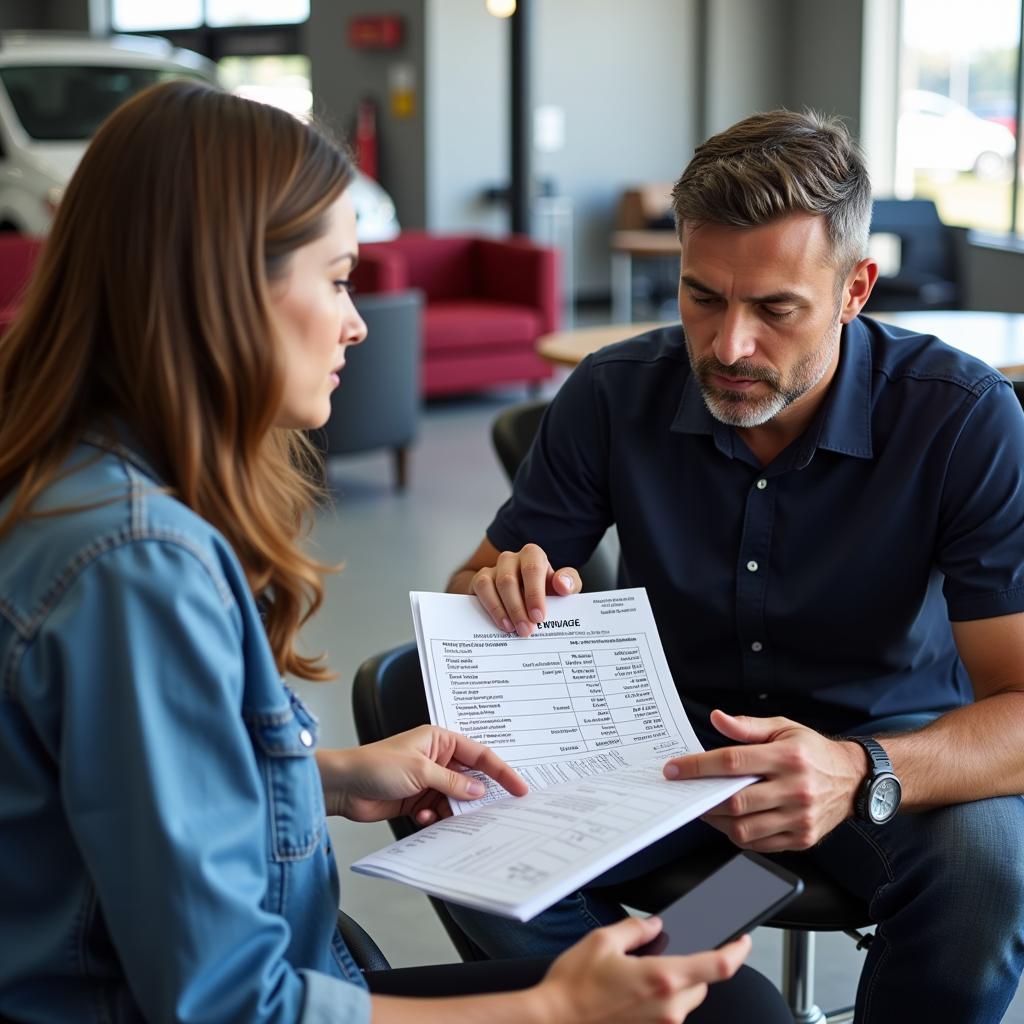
(857, 288)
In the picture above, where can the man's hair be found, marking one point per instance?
(776, 163)
(151, 305)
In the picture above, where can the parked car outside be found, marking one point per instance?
(936, 133)
(56, 90)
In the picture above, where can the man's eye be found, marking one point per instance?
(779, 314)
(701, 300)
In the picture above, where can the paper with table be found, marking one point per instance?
(586, 710)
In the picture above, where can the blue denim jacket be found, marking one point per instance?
(163, 854)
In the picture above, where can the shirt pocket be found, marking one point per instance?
(285, 743)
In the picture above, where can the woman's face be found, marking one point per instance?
(316, 320)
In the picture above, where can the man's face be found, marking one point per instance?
(762, 311)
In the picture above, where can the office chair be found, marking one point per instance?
(512, 433)
(929, 274)
(388, 697)
(364, 950)
(378, 404)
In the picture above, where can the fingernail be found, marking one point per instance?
(523, 629)
(475, 788)
(506, 624)
(568, 582)
(536, 614)
(672, 771)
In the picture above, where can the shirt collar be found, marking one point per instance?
(842, 425)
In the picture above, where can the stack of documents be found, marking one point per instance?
(587, 713)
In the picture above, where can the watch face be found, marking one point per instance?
(885, 799)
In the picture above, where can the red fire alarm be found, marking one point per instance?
(378, 32)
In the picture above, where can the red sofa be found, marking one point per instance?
(486, 303)
(18, 255)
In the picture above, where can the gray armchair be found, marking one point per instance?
(378, 402)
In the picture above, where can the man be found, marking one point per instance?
(828, 516)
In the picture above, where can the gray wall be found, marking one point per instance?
(63, 15)
(342, 75)
(623, 75)
(29, 14)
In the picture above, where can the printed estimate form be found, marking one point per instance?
(586, 711)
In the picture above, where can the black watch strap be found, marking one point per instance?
(876, 754)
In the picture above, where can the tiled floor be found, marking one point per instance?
(393, 543)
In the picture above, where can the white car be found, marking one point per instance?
(56, 89)
(938, 134)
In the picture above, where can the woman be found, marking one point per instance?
(162, 845)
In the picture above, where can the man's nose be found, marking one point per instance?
(736, 339)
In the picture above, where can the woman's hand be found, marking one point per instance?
(411, 773)
(596, 982)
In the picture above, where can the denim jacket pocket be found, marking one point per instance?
(285, 744)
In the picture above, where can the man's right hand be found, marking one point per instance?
(596, 982)
(512, 585)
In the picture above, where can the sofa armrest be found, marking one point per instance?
(380, 270)
(520, 271)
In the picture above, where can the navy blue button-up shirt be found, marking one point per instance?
(820, 586)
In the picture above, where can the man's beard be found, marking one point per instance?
(742, 409)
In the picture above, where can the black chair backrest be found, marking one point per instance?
(512, 433)
(388, 698)
(929, 275)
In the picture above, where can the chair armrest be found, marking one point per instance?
(520, 271)
(380, 270)
(364, 950)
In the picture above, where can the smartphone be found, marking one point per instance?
(740, 895)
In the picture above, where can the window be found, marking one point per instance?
(957, 120)
(162, 15)
(155, 15)
(254, 43)
(280, 80)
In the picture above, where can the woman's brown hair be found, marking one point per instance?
(151, 306)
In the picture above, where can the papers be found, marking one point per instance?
(586, 710)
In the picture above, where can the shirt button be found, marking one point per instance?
(757, 646)
(761, 484)
(306, 738)
(752, 566)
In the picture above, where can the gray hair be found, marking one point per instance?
(772, 164)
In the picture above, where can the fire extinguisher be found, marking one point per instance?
(366, 137)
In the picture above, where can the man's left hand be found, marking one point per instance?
(807, 782)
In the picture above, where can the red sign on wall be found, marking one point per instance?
(378, 32)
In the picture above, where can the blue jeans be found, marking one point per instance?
(945, 887)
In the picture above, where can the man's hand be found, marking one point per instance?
(808, 782)
(513, 588)
(410, 774)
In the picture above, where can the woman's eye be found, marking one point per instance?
(343, 284)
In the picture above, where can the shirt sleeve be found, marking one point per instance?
(560, 497)
(981, 546)
(163, 796)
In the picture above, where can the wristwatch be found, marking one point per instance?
(878, 799)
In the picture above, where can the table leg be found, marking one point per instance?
(622, 287)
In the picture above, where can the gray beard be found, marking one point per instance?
(738, 409)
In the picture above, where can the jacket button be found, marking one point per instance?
(306, 738)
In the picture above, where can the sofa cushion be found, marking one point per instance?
(472, 324)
